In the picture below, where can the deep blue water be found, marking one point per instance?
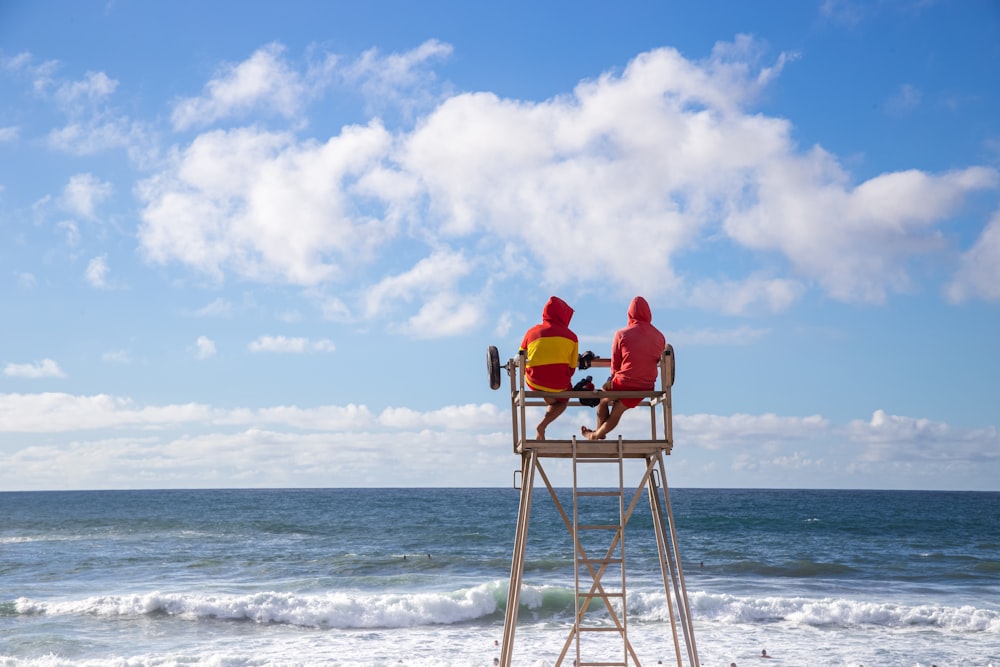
(379, 576)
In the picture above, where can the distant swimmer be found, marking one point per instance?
(763, 653)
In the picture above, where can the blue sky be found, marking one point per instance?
(268, 244)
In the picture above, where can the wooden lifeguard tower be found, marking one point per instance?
(598, 635)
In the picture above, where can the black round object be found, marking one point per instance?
(493, 366)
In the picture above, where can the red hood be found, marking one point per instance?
(638, 311)
(557, 311)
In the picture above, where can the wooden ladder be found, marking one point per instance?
(599, 519)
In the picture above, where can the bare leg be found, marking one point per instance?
(554, 409)
(603, 410)
(607, 419)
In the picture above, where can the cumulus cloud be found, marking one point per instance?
(84, 193)
(433, 281)
(403, 80)
(293, 345)
(46, 368)
(93, 125)
(204, 348)
(755, 293)
(978, 273)
(265, 81)
(634, 169)
(714, 431)
(348, 445)
(264, 206)
(53, 412)
(97, 272)
(854, 241)
(92, 89)
(217, 308)
(887, 437)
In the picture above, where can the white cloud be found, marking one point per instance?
(264, 207)
(9, 133)
(217, 308)
(84, 193)
(399, 79)
(504, 324)
(755, 293)
(446, 314)
(97, 272)
(433, 283)
(715, 431)
(92, 124)
(61, 413)
(99, 133)
(262, 82)
(71, 231)
(86, 93)
(173, 445)
(898, 438)
(854, 241)
(978, 274)
(323, 345)
(441, 270)
(293, 345)
(46, 368)
(630, 171)
(204, 348)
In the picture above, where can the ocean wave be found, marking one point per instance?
(487, 602)
(330, 610)
(840, 613)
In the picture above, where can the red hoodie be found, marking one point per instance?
(552, 349)
(636, 349)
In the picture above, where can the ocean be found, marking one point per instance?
(415, 577)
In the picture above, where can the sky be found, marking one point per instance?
(260, 244)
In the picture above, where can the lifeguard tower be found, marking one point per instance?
(596, 522)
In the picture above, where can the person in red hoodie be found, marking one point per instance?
(635, 359)
(552, 352)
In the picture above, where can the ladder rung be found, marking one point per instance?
(598, 629)
(610, 459)
(601, 561)
(598, 493)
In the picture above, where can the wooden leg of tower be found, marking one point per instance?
(670, 562)
(528, 462)
(665, 567)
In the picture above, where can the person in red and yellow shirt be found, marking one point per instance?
(552, 352)
(635, 359)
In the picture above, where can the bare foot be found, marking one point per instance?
(587, 433)
(540, 434)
